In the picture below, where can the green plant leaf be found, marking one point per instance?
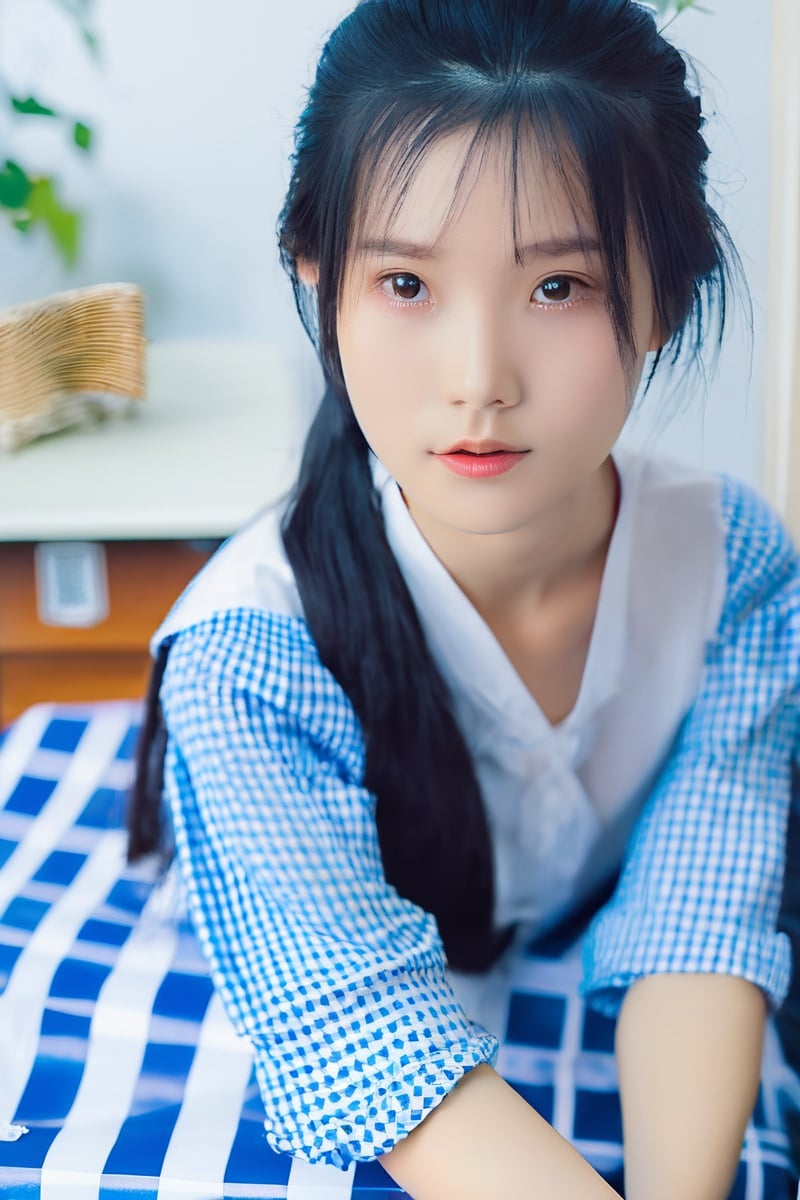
(15, 186)
(64, 225)
(83, 136)
(23, 224)
(92, 43)
(31, 107)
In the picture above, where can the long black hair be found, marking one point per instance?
(594, 87)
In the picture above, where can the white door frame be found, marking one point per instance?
(781, 467)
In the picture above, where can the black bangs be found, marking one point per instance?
(601, 147)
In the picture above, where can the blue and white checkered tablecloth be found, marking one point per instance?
(115, 1052)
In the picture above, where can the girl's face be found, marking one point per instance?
(447, 344)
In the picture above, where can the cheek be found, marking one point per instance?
(359, 358)
(575, 371)
(384, 370)
(374, 389)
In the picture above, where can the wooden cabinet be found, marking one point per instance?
(216, 441)
(106, 661)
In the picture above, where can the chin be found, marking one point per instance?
(483, 522)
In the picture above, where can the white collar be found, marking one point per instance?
(469, 655)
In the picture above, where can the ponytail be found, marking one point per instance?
(431, 823)
(147, 829)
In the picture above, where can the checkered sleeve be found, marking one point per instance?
(701, 884)
(337, 982)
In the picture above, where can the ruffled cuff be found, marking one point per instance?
(348, 1118)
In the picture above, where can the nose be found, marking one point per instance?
(480, 370)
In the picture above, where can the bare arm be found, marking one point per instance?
(485, 1140)
(689, 1059)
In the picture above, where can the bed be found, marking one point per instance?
(119, 1073)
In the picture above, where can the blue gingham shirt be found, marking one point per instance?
(340, 984)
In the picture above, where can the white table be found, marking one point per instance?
(217, 438)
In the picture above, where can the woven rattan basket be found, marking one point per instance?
(68, 359)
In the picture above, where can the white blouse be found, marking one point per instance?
(562, 800)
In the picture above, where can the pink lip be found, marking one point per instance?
(482, 464)
(481, 447)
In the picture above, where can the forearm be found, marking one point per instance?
(689, 1059)
(485, 1140)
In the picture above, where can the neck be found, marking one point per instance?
(498, 572)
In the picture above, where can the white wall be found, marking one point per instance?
(194, 103)
(732, 53)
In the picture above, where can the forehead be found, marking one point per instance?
(415, 190)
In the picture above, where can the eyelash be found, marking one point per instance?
(563, 305)
(557, 306)
(397, 301)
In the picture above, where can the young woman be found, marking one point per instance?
(482, 661)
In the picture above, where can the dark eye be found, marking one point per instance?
(406, 287)
(556, 289)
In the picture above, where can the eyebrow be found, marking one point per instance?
(558, 247)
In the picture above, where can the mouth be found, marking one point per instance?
(480, 460)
